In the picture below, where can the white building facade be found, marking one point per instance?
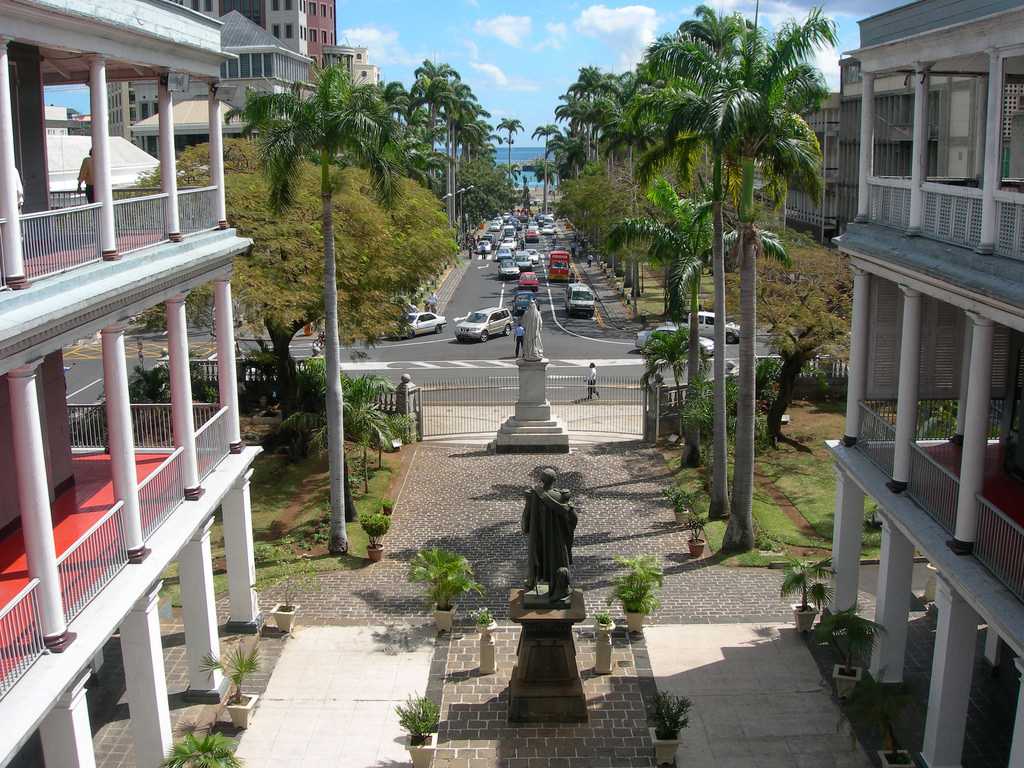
(101, 500)
(934, 409)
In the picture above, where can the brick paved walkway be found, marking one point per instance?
(470, 501)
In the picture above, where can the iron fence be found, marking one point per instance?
(877, 438)
(933, 487)
(56, 241)
(212, 443)
(615, 406)
(466, 406)
(21, 637)
(139, 222)
(152, 425)
(92, 561)
(1000, 545)
(161, 493)
(196, 209)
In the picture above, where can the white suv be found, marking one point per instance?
(707, 327)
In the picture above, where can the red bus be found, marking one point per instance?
(558, 267)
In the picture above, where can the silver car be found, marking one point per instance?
(418, 323)
(483, 324)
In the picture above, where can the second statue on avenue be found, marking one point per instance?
(549, 521)
(533, 347)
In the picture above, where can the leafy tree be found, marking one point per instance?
(492, 191)
(675, 350)
(593, 202)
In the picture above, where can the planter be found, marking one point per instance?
(697, 547)
(635, 622)
(375, 553)
(603, 637)
(423, 754)
(242, 713)
(488, 665)
(846, 680)
(284, 615)
(804, 619)
(900, 756)
(443, 619)
(929, 585)
(664, 749)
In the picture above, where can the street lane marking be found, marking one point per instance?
(87, 386)
(484, 365)
(579, 335)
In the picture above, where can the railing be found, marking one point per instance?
(139, 222)
(952, 214)
(212, 443)
(21, 639)
(196, 209)
(936, 418)
(152, 425)
(161, 493)
(877, 439)
(92, 561)
(70, 198)
(933, 487)
(87, 425)
(1009, 225)
(56, 241)
(1000, 546)
(889, 202)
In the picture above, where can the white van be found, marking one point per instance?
(508, 232)
(579, 300)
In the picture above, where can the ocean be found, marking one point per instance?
(520, 155)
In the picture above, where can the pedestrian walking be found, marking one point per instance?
(592, 383)
(432, 303)
(520, 333)
(85, 179)
(590, 260)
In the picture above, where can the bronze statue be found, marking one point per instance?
(549, 520)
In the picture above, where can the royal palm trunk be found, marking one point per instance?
(691, 452)
(719, 507)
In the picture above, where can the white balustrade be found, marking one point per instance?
(161, 493)
(952, 214)
(1000, 545)
(933, 486)
(1009, 225)
(92, 561)
(21, 638)
(877, 439)
(212, 444)
(889, 202)
(197, 209)
(56, 241)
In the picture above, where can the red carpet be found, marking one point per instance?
(1000, 489)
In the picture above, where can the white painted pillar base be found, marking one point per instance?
(227, 376)
(952, 666)
(182, 417)
(199, 611)
(241, 564)
(65, 731)
(1017, 745)
(10, 247)
(858, 368)
(867, 130)
(145, 681)
(892, 610)
(848, 530)
(906, 403)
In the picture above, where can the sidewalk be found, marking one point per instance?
(450, 284)
(613, 310)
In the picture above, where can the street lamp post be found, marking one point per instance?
(460, 210)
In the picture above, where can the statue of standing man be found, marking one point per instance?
(533, 348)
(549, 520)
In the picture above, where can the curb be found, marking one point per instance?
(918, 560)
(450, 285)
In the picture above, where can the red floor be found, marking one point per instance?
(74, 511)
(1001, 489)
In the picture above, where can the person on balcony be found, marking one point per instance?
(85, 177)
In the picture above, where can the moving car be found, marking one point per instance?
(523, 262)
(484, 323)
(506, 254)
(707, 345)
(534, 255)
(483, 247)
(528, 282)
(558, 266)
(706, 321)
(532, 235)
(579, 300)
(417, 323)
(508, 232)
(508, 270)
(509, 243)
(548, 230)
(521, 302)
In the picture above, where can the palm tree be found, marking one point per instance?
(546, 132)
(549, 171)
(670, 350)
(336, 124)
(511, 126)
(213, 750)
(366, 423)
(681, 242)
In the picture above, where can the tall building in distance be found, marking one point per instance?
(356, 59)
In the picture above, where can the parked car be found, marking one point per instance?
(707, 345)
(579, 300)
(508, 270)
(707, 327)
(483, 247)
(417, 323)
(532, 235)
(528, 282)
(484, 323)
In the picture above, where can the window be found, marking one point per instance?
(287, 5)
(332, 38)
(208, 6)
(268, 64)
(244, 62)
(323, 38)
(312, 9)
(288, 31)
(359, 57)
(233, 68)
(195, 5)
(302, 32)
(277, 30)
(323, 9)
(257, 64)
(144, 110)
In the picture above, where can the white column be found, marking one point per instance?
(199, 611)
(65, 731)
(145, 681)
(919, 155)
(992, 646)
(182, 418)
(34, 503)
(241, 563)
(952, 665)
(227, 376)
(965, 379)
(972, 456)
(1017, 745)
(857, 374)
(122, 440)
(101, 155)
(848, 530)
(867, 135)
(906, 404)
(993, 142)
(217, 156)
(893, 607)
(168, 165)
(14, 265)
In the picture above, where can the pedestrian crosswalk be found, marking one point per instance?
(480, 365)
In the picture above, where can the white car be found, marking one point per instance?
(483, 247)
(418, 323)
(707, 345)
(534, 255)
(707, 327)
(548, 230)
(509, 243)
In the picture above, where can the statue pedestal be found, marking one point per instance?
(532, 429)
(546, 685)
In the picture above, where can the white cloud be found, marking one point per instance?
(511, 30)
(500, 80)
(627, 30)
(827, 60)
(383, 44)
(557, 32)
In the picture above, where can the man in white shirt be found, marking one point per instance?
(592, 383)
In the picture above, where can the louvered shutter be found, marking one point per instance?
(1000, 361)
(884, 356)
(941, 342)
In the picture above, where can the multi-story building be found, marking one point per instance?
(99, 501)
(935, 408)
(122, 109)
(356, 59)
(818, 213)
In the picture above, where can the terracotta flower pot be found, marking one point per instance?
(375, 553)
(424, 753)
(284, 616)
(846, 679)
(241, 713)
(804, 619)
(697, 547)
(664, 749)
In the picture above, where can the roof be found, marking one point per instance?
(239, 32)
(64, 155)
(190, 116)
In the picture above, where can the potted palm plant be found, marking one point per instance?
(671, 715)
(804, 578)
(695, 523)
(299, 578)
(376, 525)
(882, 705)
(637, 589)
(447, 576)
(214, 750)
(603, 628)
(852, 637)
(237, 665)
(486, 624)
(419, 717)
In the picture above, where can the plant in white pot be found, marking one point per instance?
(212, 750)
(486, 625)
(852, 637)
(804, 578)
(419, 717)
(447, 576)
(882, 705)
(376, 525)
(603, 628)
(671, 715)
(637, 588)
(295, 577)
(237, 665)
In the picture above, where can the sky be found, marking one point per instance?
(519, 58)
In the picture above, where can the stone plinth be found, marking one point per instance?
(546, 685)
(532, 429)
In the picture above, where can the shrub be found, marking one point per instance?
(266, 553)
(671, 715)
(850, 635)
(214, 750)
(637, 588)
(237, 665)
(376, 525)
(419, 717)
(682, 500)
(447, 575)
(804, 578)
(483, 618)
(603, 618)
(694, 523)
